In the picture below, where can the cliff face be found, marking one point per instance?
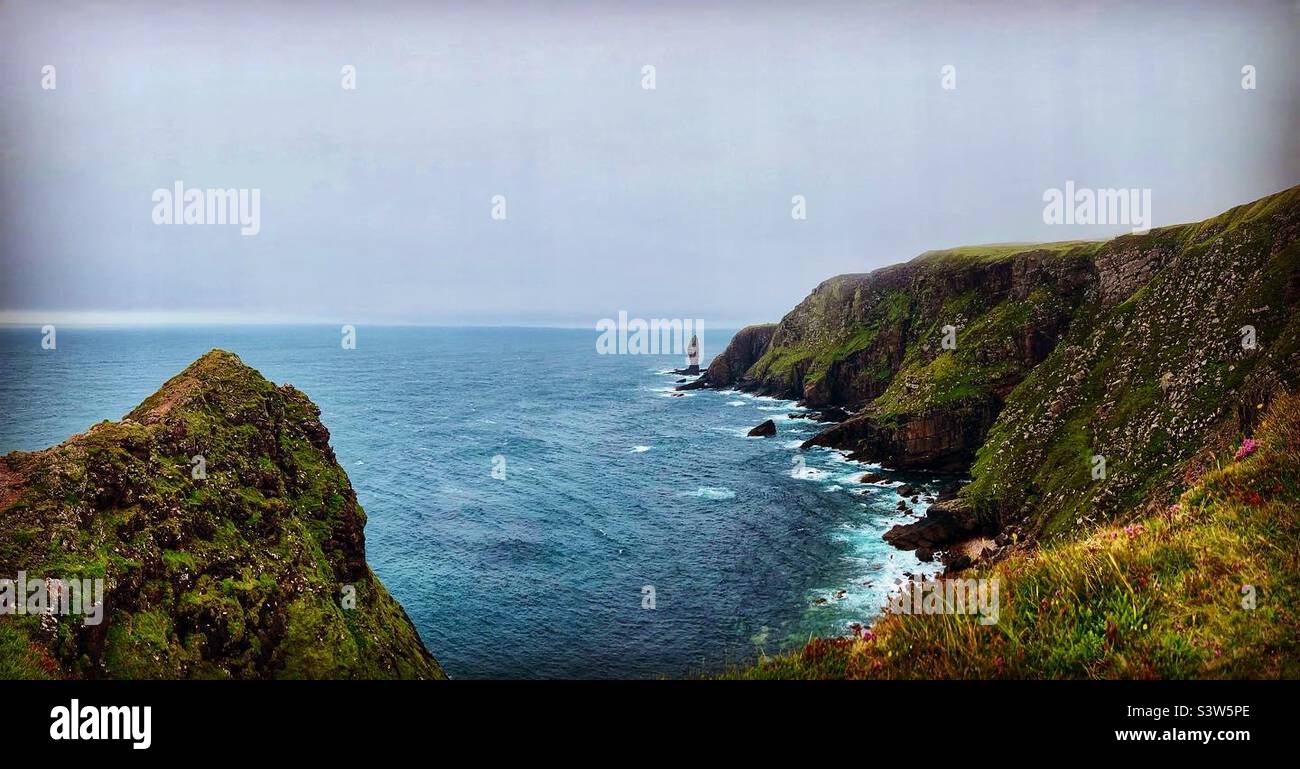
(1156, 373)
(876, 342)
(254, 569)
(1130, 350)
(745, 348)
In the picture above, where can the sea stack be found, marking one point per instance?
(693, 356)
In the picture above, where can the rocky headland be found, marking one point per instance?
(228, 538)
(1027, 367)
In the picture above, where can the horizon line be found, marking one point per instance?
(153, 319)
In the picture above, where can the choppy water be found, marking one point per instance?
(611, 485)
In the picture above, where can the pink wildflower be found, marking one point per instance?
(1248, 447)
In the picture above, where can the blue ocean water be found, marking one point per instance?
(611, 485)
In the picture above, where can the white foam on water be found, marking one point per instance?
(710, 492)
(809, 473)
(639, 449)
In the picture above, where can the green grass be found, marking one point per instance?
(996, 252)
(1159, 598)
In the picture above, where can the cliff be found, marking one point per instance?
(1185, 336)
(250, 564)
(876, 343)
(1203, 588)
(1142, 478)
(742, 352)
(1130, 350)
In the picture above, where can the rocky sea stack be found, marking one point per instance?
(228, 538)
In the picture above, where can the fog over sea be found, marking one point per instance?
(611, 485)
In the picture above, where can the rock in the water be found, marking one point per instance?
(698, 384)
(765, 430)
(871, 478)
(832, 414)
(944, 524)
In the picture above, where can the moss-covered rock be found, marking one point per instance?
(253, 567)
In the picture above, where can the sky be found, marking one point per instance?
(376, 202)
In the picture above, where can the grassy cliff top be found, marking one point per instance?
(999, 252)
(228, 537)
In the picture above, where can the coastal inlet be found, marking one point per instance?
(611, 482)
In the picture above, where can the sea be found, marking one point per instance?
(540, 510)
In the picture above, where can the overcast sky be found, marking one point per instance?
(671, 202)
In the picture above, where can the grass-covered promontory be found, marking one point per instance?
(253, 569)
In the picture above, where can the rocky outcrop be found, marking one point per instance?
(944, 525)
(229, 539)
(830, 414)
(744, 349)
(942, 440)
(1127, 265)
(764, 430)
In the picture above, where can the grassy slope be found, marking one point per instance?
(1161, 597)
(238, 575)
